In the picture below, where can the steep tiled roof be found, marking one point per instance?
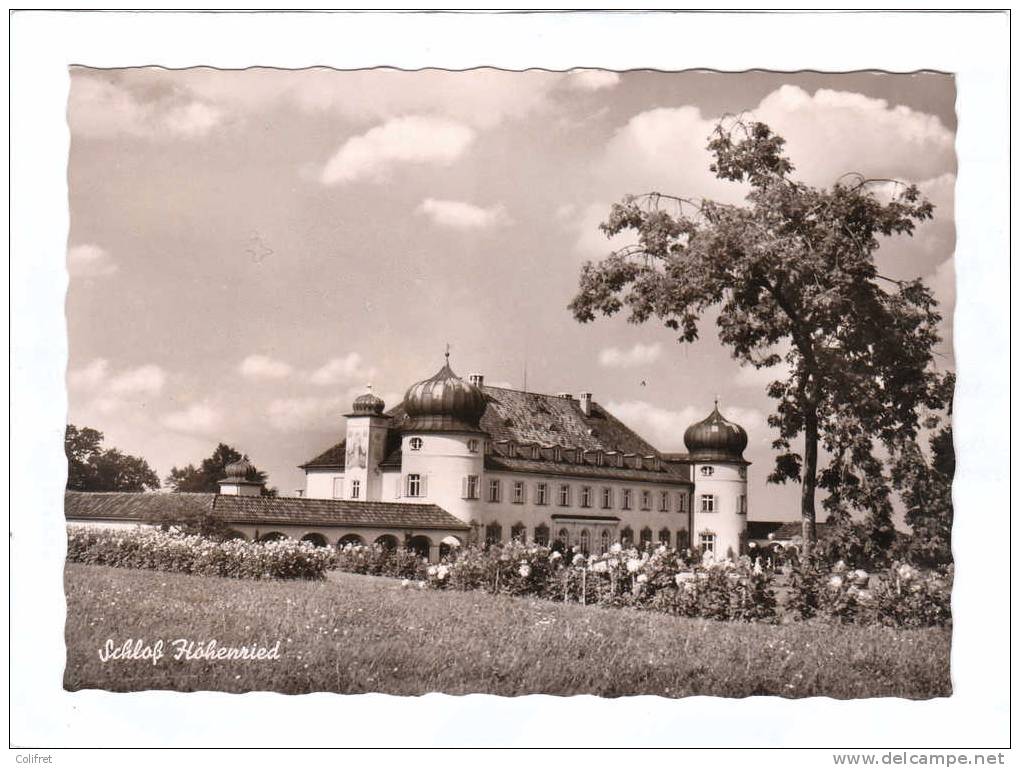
(143, 507)
(135, 506)
(356, 514)
(529, 417)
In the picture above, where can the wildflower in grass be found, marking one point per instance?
(524, 570)
(835, 582)
(405, 583)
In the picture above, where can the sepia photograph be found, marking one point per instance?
(583, 382)
(465, 380)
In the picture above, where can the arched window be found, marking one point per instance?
(646, 536)
(585, 541)
(493, 533)
(272, 536)
(627, 536)
(315, 538)
(416, 443)
(683, 539)
(542, 535)
(564, 537)
(665, 536)
(519, 533)
(604, 546)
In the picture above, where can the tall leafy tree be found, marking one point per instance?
(925, 484)
(90, 467)
(205, 478)
(792, 277)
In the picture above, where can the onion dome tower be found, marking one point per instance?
(238, 481)
(442, 444)
(715, 439)
(444, 403)
(364, 449)
(715, 448)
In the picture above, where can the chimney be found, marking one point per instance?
(564, 396)
(585, 398)
(477, 379)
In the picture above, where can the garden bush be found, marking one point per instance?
(157, 550)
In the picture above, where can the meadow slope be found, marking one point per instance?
(358, 634)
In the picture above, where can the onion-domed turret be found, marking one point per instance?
(715, 439)
(239, 470)
(444, 403)
(368, 404)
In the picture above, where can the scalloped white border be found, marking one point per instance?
(43, 44)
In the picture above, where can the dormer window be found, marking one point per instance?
(415, 443)
(707, 471)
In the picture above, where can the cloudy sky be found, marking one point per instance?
(249, 249)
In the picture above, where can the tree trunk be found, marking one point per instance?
(808, 482)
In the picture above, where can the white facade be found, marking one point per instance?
(720, 508)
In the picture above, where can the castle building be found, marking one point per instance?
(515, 465)
(458, 462)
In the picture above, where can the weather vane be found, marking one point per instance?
(447, 352)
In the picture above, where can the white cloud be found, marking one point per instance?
(91, 376)
(298, 413)
(144, 380)
(639, 354)
(199, 417)
(592, 79)
(105, 105)
(88, 260)
(481, 98)
(263, 367)
(343, 369)
(416, 139)
(459, 215)
(833, 132)
(828, 134)
(95, 377)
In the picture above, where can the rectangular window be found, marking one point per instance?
(495, 490)
(708, 542)
(742, 509)
(646, 500)
(585, 495)
(414, 485)
(681, 500)
(707, 502)
(518, 492)
(625, 501)
(664, 501)
(607, 498)
(355, 489)
(471, 487)
(564, 495)
(338, 487)
(542, 494)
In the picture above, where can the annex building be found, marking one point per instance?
(459, 462)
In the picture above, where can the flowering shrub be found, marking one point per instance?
(376, 560)
(157, 550)
(901, 596)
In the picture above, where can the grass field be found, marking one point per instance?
(358, 634)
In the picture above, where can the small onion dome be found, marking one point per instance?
(239, 470)
(444, 403)
(368, 405)
(715, 439)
